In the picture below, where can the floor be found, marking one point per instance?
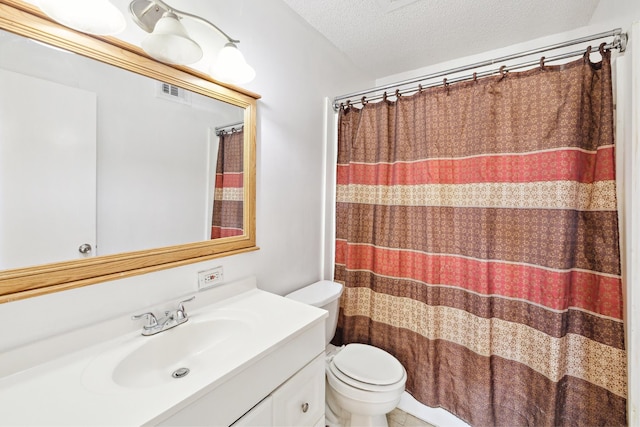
(398, 418)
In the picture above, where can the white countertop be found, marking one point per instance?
(70, 390)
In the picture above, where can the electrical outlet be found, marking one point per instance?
(211, 277)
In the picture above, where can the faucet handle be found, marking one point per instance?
(181, 313)
(151, 319)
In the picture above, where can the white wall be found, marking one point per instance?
(296, 68)
(633, 244)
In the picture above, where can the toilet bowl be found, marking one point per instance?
(363, 382)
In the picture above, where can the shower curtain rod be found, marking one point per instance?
(619, 42)
(224, 128)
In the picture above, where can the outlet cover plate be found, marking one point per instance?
(210, 277)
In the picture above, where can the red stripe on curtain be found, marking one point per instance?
(225, 232)
(477, 238)
(228, 210)
(571, 165)
(229, 180)
(557, 290)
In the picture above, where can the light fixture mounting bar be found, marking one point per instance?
(146, 13)
(204, 21)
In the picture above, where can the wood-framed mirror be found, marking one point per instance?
(233, 107)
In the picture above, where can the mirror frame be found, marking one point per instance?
(27, 20)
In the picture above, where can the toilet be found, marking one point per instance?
(363, 382)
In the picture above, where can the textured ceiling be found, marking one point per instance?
(386, 37)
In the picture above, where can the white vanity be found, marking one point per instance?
(245, 357)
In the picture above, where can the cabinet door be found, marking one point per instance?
(300, 401)
(259, 416)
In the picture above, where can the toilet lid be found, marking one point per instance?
(368, 364)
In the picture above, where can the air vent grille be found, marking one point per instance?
(172, 93)
(171, 90)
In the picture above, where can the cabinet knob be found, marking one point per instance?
(305, 407)
(84, 248)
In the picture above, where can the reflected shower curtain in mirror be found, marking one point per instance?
(229, 191)
(477, 239)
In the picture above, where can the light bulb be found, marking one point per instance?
(169, 42)
(99, 17)
(231, 67)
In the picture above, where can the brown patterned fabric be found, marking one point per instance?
(477, 238)
(228, 214)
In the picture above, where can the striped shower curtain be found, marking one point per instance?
(477, 239)
(229, 191)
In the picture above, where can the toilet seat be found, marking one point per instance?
(368, 368)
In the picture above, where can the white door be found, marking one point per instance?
(47, 171)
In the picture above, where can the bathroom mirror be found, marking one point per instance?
(151, 181)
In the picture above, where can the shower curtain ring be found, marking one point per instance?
(587, 54)
(445, 85)
(601, 48)
(503, 72)
(475, 77)
(542, 63)
(398, 94)
(364, 101)
(419, 87)
(384, 96)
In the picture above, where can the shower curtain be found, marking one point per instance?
(477, 239)
(228, 197)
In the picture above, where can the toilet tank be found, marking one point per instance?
(324, 294)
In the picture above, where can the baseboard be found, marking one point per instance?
(436, 416)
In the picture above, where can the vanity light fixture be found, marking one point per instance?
(168, 41)
(99, 17)
(230, 66)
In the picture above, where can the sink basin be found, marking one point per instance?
(151, 361)
(186, 346)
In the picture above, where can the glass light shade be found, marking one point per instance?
(169, 42)
(99, 17)
(231, 67)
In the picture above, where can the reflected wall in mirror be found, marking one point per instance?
(123, 171)
(96, 155)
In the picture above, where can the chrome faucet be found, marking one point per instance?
(168, 321)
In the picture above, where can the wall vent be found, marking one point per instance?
(169, 89)
(172, 92)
